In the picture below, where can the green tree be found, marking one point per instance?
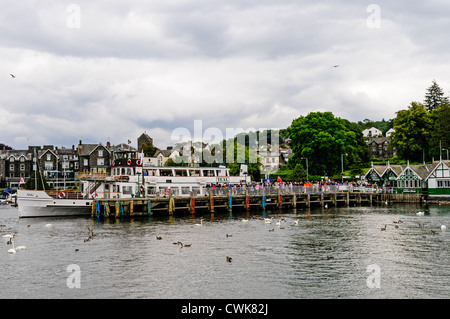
(434, 97)
(242, 154)
(298, 173)
(323, 139)
(440, 137)
(149, 149)
(41, 182)
(412, 132)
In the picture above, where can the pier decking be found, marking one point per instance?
(118, 207)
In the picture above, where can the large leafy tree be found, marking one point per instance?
(325, 140)
(440, 137)
(412, 132)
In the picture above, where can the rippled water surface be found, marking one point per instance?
(327, 254)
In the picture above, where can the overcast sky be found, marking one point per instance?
(103, 71)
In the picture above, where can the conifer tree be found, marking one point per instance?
(434, 97)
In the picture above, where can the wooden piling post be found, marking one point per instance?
(149, 207)
(192, 203)
(247, 200)
(211, 202)
(171, 203)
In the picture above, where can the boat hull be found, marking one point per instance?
(40, 204)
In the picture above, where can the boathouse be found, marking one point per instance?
(413, 179)
(439, 179)
(384, 174)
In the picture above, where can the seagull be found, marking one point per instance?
(443, 227)
(12, 75)
(335, 66)
(229, 259)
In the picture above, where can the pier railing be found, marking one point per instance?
(295, 189)
(239, 190)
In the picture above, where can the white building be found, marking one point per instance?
(372, 132)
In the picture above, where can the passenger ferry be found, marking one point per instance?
(131, 178)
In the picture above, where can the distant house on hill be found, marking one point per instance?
(379, 148)
(372, 132)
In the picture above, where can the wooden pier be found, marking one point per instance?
(115, 207)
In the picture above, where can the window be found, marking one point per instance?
(11, 167)
(100, 161)
(22, 158)
(85, 162)
(127, 189)
(48, 165)
(100, 153)
(439, 183)
(11, 159)
(49, 157)
(22, 167)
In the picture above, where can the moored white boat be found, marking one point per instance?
(37, 203)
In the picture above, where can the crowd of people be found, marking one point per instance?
(288, 187)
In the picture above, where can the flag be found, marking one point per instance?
(279, 179)
(21, 181)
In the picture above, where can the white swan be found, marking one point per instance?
(296, 222)
(201, 222)
(443, 227)
(245, 220)
(278, 222)
(48, 225)
(420, 213)
(21, 248)
(268, 220)
(8, 236)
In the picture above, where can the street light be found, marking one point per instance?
(446, 149)
(342, 166)
(307, 176)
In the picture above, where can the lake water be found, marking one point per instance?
(329, 253)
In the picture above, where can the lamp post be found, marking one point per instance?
(307, 175)
(342, 166)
